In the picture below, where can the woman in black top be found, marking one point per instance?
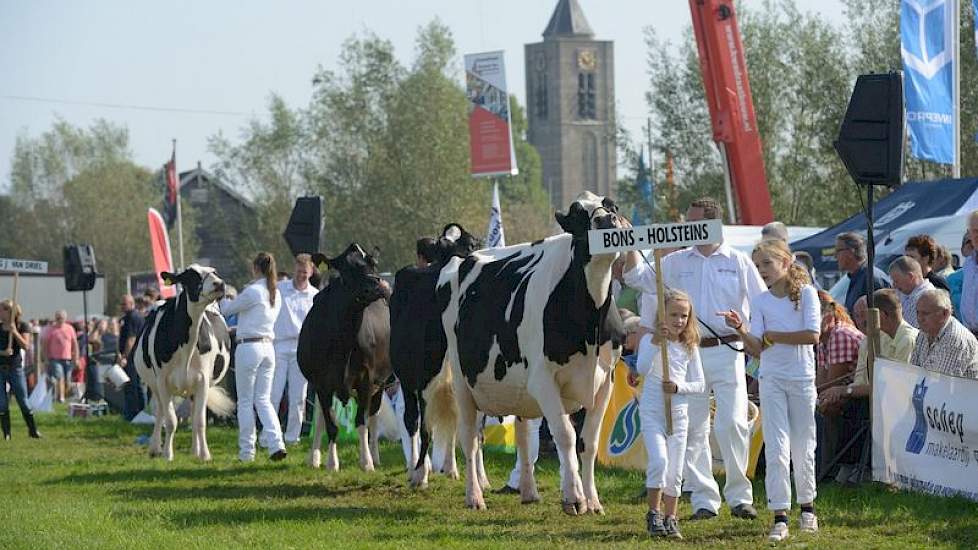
(17, 335)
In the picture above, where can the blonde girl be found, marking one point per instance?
(784, 328)
(667, 453)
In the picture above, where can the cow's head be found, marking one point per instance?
(587, 212)
(357, 270)
(456, 241)
(201, 284)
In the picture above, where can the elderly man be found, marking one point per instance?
(850, 253)
(944, 344)
(897, 339)
(909, 280)
(717, 278)
(969, 285)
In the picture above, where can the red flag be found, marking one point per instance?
(172, 191)
(160, 243)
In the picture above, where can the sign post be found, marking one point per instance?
(657, 237)
(18, 267)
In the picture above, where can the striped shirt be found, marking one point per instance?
(953, 352)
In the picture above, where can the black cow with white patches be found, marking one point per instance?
(343, 351)
(184, 350)
(531, 331)
(418, 348)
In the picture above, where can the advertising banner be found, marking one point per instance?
(925, 430)
(620, 442)
(490, 139)
(927, 48)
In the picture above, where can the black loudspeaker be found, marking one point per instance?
(79, 261)
(871, 140)
(305, 226)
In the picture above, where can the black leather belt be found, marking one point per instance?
(255, 340)
(712, 342)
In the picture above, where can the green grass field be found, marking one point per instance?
(88, 485)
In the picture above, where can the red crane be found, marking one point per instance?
(731, 107)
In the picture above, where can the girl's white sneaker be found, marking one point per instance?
(808, 523)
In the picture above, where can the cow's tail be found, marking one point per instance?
(219, 402)
(441, 412)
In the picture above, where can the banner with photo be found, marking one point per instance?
(925, 430)
(490, 138)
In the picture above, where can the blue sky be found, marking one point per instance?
(225, 57)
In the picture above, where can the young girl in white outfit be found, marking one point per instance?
(666, 453)
(784, 328)
(257, 307)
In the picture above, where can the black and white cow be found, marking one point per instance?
(530, 333)
(184, 350)
(343, 349)
(417, 351)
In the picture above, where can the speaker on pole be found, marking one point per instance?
(79, 265)
(305, 228)
(871, 140)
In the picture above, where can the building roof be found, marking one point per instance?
(568, 20)
(189, 178)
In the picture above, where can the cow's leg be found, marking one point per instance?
(542, 386)
(200, 420)
(528, 483)
(372, 430)
(169, 422)
(479, 462)
(449, 467)
(332, 431)
(363, 409)
(468, 435)
(592, 429)
(422, 466)
(156, 440)
(417, 464)
(315, 446)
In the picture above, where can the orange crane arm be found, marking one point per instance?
(728, 95)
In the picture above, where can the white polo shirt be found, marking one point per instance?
(256, 315)
(295, 306)
(725, 280)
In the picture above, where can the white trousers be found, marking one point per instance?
(533, 444)
(788, 421)
(666, 454)
(287, 370)
(254, 363)
(723, 370)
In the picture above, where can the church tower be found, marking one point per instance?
(570, 96)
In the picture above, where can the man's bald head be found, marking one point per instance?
(860, 311)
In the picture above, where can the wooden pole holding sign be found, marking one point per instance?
(660, 289)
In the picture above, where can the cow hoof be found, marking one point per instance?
(574, 508)
(597, 509)
(368, 467)
(531, 499)
(452, 474)
(155, 454)
(315, 459)
(476, 504)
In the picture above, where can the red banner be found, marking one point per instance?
(160, 243)
(490, 139)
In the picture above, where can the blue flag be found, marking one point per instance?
(644, 210)
(927, 48)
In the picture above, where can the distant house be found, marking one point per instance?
(220, 210)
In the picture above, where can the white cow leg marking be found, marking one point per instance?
(315, 446)
(374, 440)
(366, 461)
(332, 458)
(169, 424)
(528, 484)
(449, 466)
(468, 434)
(592, 429)
(481, 466)
(418, 477)
(542, 386)
(200, 421)
(155, 440)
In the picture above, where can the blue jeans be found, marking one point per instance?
(18, 384)
(60, 368)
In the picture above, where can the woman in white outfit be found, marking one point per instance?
(785, 325)
(667, 452)
(257, 307)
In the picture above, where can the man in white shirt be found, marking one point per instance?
(908, 278)
(717, 278)
(297, 297)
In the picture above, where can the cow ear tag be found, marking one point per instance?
(168, 281)
(323, 266)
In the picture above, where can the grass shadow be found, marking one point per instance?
(310, 513)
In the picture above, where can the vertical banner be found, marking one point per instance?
(925, 430)
(620, 442)
(160, 244)
(490, 138)
(495, 236)
(927, 31)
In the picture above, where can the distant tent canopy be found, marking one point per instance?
(906, 204)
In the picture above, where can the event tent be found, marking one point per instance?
(909, 203)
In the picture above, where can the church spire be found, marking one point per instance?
(568, 20)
